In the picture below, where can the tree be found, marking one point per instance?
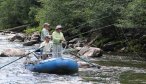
(16, 12)
(133, 15)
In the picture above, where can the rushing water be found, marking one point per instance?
(114, 70)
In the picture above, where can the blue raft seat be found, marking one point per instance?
(55, 66)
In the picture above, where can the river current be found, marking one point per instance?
(16, 73)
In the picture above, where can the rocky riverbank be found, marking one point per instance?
(122, 40)
(75, 46)
(110, 39)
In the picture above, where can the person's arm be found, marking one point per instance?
(63, 38)
(42, 35)
(42, 44)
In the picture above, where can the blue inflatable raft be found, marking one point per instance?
(55, 66)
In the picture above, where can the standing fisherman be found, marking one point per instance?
(45, 31)
(58, 39)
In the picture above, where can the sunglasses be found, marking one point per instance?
(60, 28)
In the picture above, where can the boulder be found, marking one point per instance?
(93, 52)
(2, 33)
(7, 32)
(70, 46)
(13, 32)
(79, 44)
(12, 52)
(83, 50)
(110, 46)
(73, 41)
(35, 36)
(30, 43)
(89, 51)
(19, 37)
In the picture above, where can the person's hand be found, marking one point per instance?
(64, 42)
(61, 40)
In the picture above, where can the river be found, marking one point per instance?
(114, 70)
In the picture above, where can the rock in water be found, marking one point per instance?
(89, 51)
(19, 37)
(30, 43)
(12, 52)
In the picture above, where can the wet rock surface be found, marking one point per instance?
(19, 37)
(34, 39)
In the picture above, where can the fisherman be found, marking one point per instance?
(47, 47)
(45, 31)
(58, 39)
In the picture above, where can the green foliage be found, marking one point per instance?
(15, 13)
(134, 46)
(66, 12)
(78, 16)
(30, 30)
(134, 15)
(75, 15)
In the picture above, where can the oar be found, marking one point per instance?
(20, 58)
(94, 65)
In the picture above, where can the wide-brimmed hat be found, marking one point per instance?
(48, 36)
(46, 24)
(58, 27)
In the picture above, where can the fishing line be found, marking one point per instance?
(92, 30)
(87, 23)
(78, 56)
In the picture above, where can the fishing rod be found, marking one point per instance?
(20, 58)
(78, 56)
